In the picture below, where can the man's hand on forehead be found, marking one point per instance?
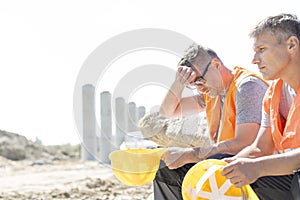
(185, 74)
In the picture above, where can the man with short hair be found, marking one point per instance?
(232, 100)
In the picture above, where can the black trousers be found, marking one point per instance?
(167, 184)
(295, 188)
(273, 187)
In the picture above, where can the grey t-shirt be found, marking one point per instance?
(249, 98)
(286, 99)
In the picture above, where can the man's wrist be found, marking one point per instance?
(201, 153)
(196, 153)
(214, 150)
(177, 87)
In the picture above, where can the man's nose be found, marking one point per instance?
(255, 59)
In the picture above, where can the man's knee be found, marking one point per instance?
(171, 176)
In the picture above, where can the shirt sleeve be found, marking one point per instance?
(249, 98)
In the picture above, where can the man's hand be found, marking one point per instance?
(242, 171)
(176, 157)
(174, 104)
(185, 75)
(230, 159)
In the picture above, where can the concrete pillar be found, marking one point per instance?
(106, 127)
(89, 139)
(132, 117)
(120, 116)
(141, 112)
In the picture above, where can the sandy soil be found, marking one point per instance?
(64, 180)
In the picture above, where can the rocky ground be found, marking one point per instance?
(64, 180)
(33, 171)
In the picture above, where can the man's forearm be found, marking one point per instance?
(172, 101)
(280, 164)
(249, 152)
(201, 153)
(234, 147)
(227, 147)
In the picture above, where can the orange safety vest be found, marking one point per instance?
(224, 126)
(286, 134)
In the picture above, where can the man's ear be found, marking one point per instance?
(216, 63)
(293, 43)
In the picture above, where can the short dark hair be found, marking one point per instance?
(282, 26)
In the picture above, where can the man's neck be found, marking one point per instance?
(292, 77)
(227, 78)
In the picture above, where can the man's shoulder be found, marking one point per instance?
(252, 82)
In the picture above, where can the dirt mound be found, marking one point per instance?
(29, 170)
(17, 147)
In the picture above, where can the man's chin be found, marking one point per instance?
(268, 77)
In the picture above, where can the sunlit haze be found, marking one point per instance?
(43, 45)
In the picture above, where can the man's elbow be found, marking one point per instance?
(169, 114)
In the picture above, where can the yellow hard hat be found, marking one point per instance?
(204, 181)
(135, 167)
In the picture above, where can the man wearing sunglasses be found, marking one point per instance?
(232, 100)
